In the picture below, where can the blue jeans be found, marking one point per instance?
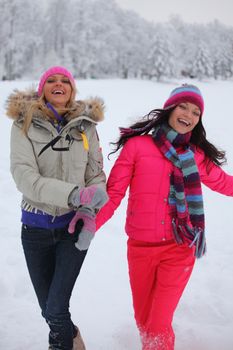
(54, 264)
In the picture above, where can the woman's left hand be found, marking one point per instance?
(88, 230)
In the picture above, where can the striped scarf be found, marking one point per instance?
(185, 197)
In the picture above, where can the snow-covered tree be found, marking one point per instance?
(18, 37)
(160, 62)
(202, 64)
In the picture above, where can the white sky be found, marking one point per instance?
(199, 11)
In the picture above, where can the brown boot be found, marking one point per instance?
(78, 343)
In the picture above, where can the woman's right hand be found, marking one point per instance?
(92, 196)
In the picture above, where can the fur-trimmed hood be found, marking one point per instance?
(20, 101)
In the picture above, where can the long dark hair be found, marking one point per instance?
(159, 116)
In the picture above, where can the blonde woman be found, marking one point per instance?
(56, 163)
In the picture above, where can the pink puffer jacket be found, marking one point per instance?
(142, 167)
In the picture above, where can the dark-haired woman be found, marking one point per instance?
(163, 161)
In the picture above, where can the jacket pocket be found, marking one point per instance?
(39, 135)
(95, 161)
(141, 212)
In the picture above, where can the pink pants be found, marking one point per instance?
(158, 275)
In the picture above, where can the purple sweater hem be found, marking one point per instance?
(45, 220)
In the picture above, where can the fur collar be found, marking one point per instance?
(19, 102)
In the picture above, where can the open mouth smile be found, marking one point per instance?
(58, 92)
(184, 122)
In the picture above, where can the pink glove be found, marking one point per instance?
(88, 229)
(92, 196)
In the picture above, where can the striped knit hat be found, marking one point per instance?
(52, 71)
(185, 93)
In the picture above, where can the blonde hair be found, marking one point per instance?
(39, 105)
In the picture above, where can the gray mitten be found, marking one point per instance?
(84, 240)
(87, 215)
(92, 196)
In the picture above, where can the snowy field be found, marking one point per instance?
(101, 301)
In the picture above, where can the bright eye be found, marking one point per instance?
(197, 114)
(182, 106)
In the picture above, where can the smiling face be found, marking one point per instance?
(184, 117)
(57, 90)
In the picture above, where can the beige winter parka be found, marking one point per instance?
(46, 179)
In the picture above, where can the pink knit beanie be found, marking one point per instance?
(185, 93)
(52, 71)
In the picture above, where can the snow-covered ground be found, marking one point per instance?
(101, 302)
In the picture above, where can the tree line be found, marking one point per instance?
(98, 39)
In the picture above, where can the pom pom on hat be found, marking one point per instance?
(52, 71)
(185, 93)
